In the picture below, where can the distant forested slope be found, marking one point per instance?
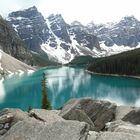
(127, 63)
(82, 60)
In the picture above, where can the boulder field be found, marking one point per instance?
(79, 119)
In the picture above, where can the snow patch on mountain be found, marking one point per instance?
(62, 55)
(59, 53)
(107, 51)
(64, 51)
(74, 45)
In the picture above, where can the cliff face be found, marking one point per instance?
(31, 27)
(11, 43)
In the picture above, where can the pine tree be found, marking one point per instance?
(45, 101)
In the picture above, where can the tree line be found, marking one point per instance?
(127, 63)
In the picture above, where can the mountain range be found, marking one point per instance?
(62, 42)
(35, 40)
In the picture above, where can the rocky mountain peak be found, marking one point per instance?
(91, 25)
(77, 26)
(31, 27)
(27, 13)
(129, 21)
(59, 27)
(129, 18)
(125, 33)
(56, 17)
(76, 23)
(33, 8)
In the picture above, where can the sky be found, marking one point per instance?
(85, 11)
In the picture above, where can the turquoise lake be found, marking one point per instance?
(65, 83)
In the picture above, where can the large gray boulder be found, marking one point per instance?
(48, 116)
(121, 111)
(9, 117)
(79, 115)
(99, 112)
(133, 116)
(14, 115)
(117, 130)
(112, 136)
(39, 124)
(121, 126)
(31, 129)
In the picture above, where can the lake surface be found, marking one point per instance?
(65, 83)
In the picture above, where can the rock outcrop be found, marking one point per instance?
(88, 110)
(121, 111)
(121, 126)
(133, 116)
(33, 130)
(39, 125)
(86, 117)
(45, 115)
(112, 136)
(9, 117)
(117, 130)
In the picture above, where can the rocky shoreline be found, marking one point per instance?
(79, 119)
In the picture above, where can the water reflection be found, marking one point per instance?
(22, 91)
(64, 83)
(2, 91)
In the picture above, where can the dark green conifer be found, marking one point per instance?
(45, 101)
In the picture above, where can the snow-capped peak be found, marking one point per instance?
(62, 41)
